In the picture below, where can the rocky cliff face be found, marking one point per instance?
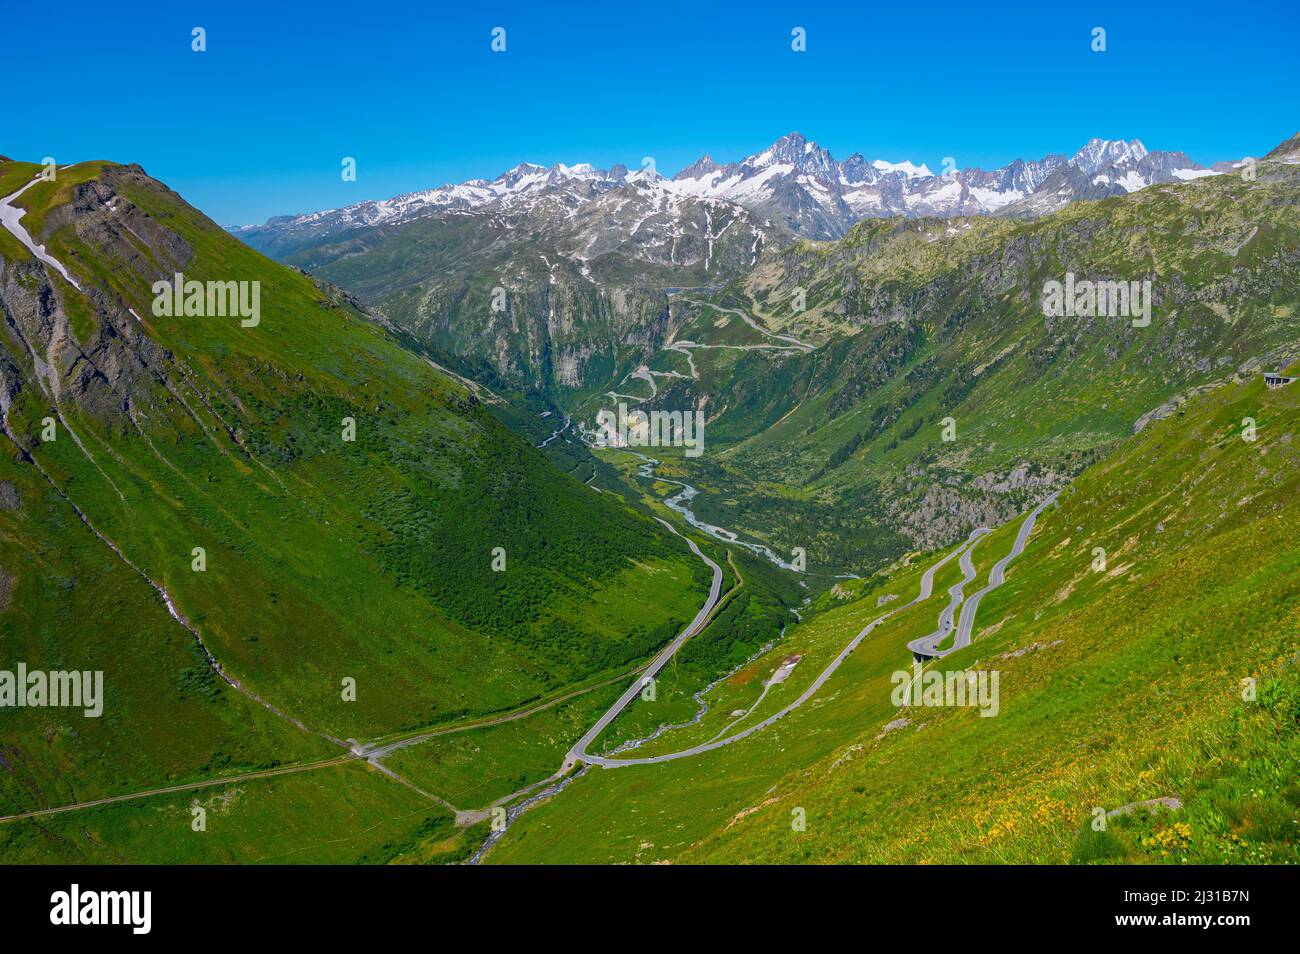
(101, 361)
(558, 337)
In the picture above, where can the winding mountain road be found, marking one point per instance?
(788, 340)
(997, 576)
(579, 752)
(924, 647)
(927, 646)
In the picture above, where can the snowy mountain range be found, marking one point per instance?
(799, 184)
(793, 185)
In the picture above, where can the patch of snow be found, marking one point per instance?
(9, 217)
(993, 199)
(1132, 181)
(907, 168)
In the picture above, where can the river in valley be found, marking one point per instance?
(681, 502)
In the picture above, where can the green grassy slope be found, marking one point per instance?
(340, 815)
(325, 559)
(69, 602)
(1116, 687)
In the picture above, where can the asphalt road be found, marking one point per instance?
(579, 750)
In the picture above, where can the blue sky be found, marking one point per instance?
(258, 124)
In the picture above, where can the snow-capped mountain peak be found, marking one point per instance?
(583, 170)
(906, 167)
(700, 168)
(1098, 153)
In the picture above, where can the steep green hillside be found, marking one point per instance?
(1120, 683)
(343, 814)
(326, 559)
